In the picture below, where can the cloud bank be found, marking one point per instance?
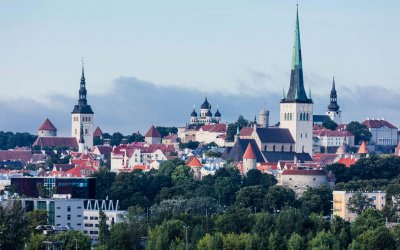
(134, 104)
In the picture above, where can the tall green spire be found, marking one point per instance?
(296, 57)
(296, 91)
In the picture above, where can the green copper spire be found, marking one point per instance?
(296, 57)
(237, 130)
(296, 93)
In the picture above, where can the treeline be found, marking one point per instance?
(9, 140)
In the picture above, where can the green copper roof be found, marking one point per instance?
(296, 58)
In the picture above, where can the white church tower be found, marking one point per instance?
(296, 109)
(83, 115)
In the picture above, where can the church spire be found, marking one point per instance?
(82, 107)
(333, 106)
(297, 92)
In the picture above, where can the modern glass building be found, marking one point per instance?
(34, 187)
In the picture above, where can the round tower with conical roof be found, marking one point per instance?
(249, 159)
(263, 118)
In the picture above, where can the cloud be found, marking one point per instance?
(134, 104)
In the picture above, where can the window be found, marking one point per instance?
(68, 217)
(85, 217)
(283, 148)
(69, 208)
(58, 216)
(86, 131)
(79, 207)
(79, 224)
(79, 215)
(58, 207)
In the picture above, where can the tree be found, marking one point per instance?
(13, 229)
(278, 197)
(369, 219)
(255, 177)
(276, 241)
(116, 139)
(104, 180)
(296, 242)
(317, 200)
(36, 218)
(359, 202)
(329, 124)
(251, 197)
(232, 127)
(324, 241)
(74, 240)
(360, 132)
(104, 233)
(342, 230)
(372, 239)
(161, 236)
(35, 242)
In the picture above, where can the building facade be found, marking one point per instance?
(206, 116)
(383, 132)
(341, 199)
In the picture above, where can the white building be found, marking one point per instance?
(61, 211)
(383, 132)
(91, 217)
(83, 115)
(47, 129)
(341, 199)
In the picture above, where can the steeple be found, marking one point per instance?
(297, 92)
(333, 106)
(82, 107)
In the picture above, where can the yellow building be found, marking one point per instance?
(341, 198)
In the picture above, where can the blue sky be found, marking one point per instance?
(206, 47)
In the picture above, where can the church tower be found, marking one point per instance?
(296, 109)
(333, 108)
(83, 115)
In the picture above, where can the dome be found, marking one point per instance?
(208, 114)
(217, 114)
(194, 114)
(206, 104)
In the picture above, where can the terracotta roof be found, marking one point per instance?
(56, 141)
(47, 125)
(246, 131)
(249, 153)
(214, 128)
(195, 162)
(236, 153)
(81, 171)
(363, 148)
(347, 161)
(378, 123)
(139, 167)
(153, 132)
(98, 132)
(16, 155)
(303, 172)
(330, 133)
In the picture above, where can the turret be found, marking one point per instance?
(263, 118)
(249, 159)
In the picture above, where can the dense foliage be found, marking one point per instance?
(360, 132)
(9, 140)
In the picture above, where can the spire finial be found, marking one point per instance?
(333, 84)
(83, 67)
(309, 92)
(283, 93)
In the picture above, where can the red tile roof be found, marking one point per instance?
(139, 167)
(47, 125)
(16, 155)
(249, 153)
(97, 132)
(303, 172)
(56, 141)
(214, 128)
(81, 171)
(195, 162)
(153, 132)
(347, 161)
(378, 123)
(246, 131)
(330, 133)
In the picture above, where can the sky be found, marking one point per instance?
(149, 62)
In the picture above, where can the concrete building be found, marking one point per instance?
(91, 217)
(61, 211)
(83, 115)
(341, 199)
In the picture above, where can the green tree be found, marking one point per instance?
(255, 177)
(341, 229)
(35, 242)
(104, 180)
(359, 202)
(36, 218)
(329, 124)
(369, 219)
(278, 197)
(374, 239)
(276, 241)
(324, 241)
(232, 127)
(74, 240)
(317, 200)
(296, 242)
(104, 233)
(235, 242)
(13, 226)
(161, 236)
(251, 197)
(360, 132)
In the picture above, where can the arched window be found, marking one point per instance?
(301, 135)
(308, 116)
(265, 147)
(291, 116)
